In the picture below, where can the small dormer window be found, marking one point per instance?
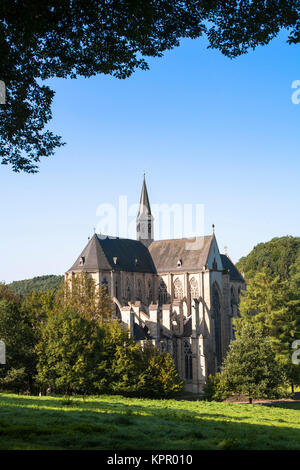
(115, 260)
(179, 263)
(82, 260)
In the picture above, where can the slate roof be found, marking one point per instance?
(162, 256)
(166, 253)
(187, 327)
(140, 333)
(99, 254)
(234, 273)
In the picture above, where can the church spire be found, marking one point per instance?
(144, 201)
(144, 221)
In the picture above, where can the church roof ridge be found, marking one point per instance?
(183, 238)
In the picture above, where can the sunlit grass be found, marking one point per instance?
(115, 422)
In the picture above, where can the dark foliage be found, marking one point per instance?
(54, 38)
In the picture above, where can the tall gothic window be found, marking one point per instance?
(178, 289)
(234, 312)
(194, 289)
(150, 294)
(104, 284)
(128, 290)
(188, 361)
(162, 293)
(140, 290)
(216, 309)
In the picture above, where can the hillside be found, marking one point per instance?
(280, 256)
(37, 284)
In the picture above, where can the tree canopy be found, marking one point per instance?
(272, 298)
(36, 284)
(278, 257)
(54, 38)
(250, 366)
(68, 341)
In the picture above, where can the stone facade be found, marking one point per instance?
(180, 295)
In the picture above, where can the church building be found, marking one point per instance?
(180, 294)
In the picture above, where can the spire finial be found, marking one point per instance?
(213, 228)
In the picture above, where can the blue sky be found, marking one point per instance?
(205, 129)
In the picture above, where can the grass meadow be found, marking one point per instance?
(118, 423)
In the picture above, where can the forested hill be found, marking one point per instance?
(279, 256)
(37, 284)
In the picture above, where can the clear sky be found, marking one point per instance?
(205, 129)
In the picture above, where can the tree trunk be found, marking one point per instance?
(293, 390)
(250, 400)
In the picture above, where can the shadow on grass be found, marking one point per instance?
(288, 405)
(42, 423)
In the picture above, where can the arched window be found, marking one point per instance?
(216, 310)
(188, 361)
(232, 300)
(178, 289)
(104, 283)
(139, 290)
(128, 290)
(162, 293)
(194, 289)
(150, 294)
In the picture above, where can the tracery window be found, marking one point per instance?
(162, 293)
(178, 289)
(216, 310)
(150, 294)
(140, 290)
(194, 289)
(188, 361)
(128, 290)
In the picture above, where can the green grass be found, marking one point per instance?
(118, 423)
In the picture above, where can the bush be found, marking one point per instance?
(14, 380)
(215, 388)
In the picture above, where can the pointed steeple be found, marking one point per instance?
(144, 221)
(144, 201)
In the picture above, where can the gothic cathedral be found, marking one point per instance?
(180, 295)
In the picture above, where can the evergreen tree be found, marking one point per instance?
(272, 306)
(250, 366)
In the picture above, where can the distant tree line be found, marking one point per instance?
(36, 284)
(68, 342)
